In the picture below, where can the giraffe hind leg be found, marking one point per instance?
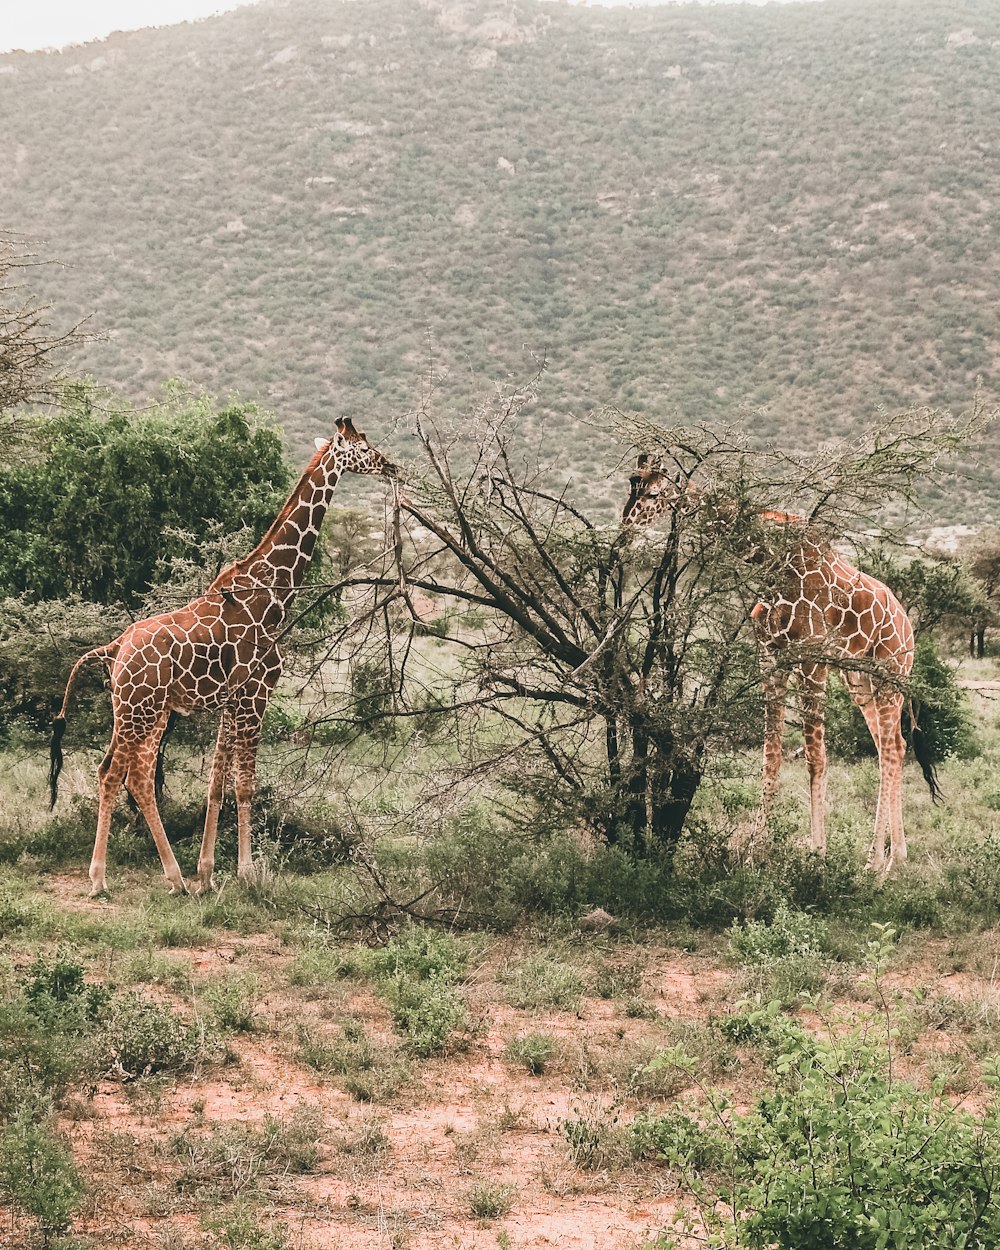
(142, 778)
(110, 775)
(880, 711)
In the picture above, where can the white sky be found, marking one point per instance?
(31, 24)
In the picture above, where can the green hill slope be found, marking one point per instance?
(783, 215)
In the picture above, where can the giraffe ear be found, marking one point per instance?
(321, 443)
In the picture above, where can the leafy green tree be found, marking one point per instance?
(105, 502)
(983, 563)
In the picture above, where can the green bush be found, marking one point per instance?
(788, 933)
(840, 1154)
(427, 1012)
(47, 1030)
(38, 1176)
(142, 1037)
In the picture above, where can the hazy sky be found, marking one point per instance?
(31, 24)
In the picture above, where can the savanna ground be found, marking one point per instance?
(236, 1071)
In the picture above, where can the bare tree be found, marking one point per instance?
(594, 679)
(29, 346)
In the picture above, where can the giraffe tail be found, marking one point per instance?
(105, 653)
(924, 756)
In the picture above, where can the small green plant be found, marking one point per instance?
(369, 1072)
(541, 983)
(241, 1229)
(234, 1159)
(15, 914)
(38, 1176)
(233, 1004)
(783, 959)
(491, 1202)
(430, 1014)
(142, 1037)
(617, 981)
(534, 1051)
(789, 933)
(422, 954)
(597, 1141)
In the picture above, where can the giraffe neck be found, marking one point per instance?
(280, 560)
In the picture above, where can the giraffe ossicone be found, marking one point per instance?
(219, 652)
(817, 612)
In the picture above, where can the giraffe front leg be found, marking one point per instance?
(812, 691)
(216, 793)
(775, 694)
(775, 684)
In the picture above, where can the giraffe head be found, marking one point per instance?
(652, 492)
(353, 452)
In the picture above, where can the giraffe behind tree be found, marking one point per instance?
(219, 651)
(818, 612)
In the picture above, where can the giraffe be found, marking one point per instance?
(818, 611)
(218, 652)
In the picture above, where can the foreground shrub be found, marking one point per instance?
(840, 1155)
(427, 1013)
(142, 1037)
(37, 1174)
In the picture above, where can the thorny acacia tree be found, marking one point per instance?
(597, 676)
(29, 346)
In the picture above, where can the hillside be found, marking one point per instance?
(781, 215)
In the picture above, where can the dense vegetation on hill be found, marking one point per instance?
(780, 215)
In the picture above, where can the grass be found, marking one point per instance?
(439, 1066)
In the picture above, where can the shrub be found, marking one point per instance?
(37, 1175)
(428, 1013)
(142, 1037)
(533, 1051)
(841, 1155)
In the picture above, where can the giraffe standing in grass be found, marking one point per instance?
(818, 612)
(218, 652)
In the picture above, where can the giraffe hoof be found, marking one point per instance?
(100, 894)
(203, 885)
(178, 887)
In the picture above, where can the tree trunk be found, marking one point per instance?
(671, 806)
(636, 789)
